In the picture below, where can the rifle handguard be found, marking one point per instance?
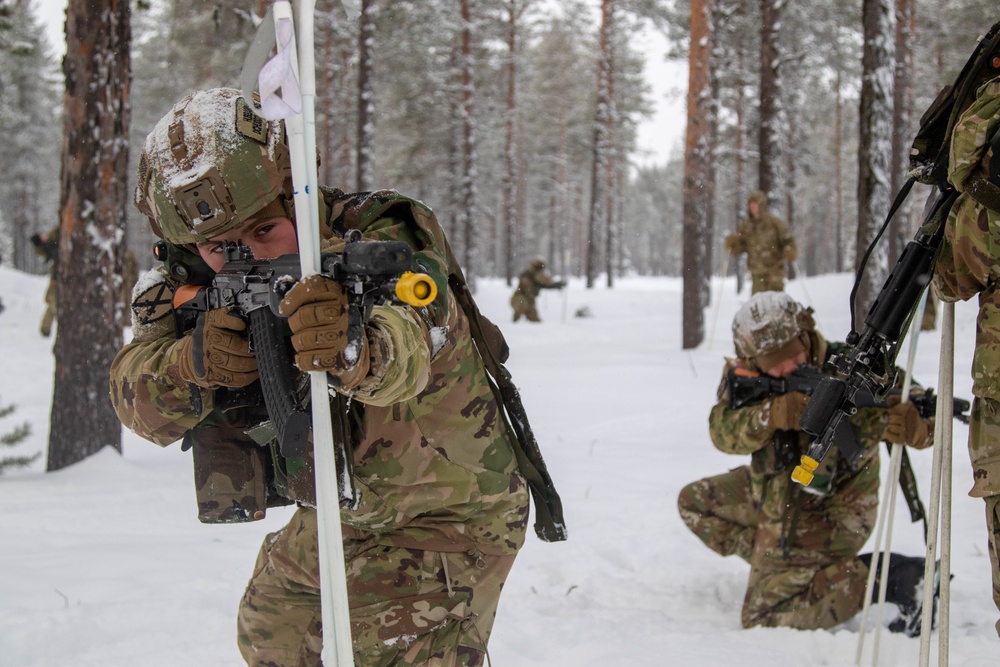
(416, 289)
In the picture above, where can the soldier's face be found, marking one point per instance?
(754, 208)
(267, 237)
(788, 366)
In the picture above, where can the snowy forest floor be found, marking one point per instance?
(105, 564)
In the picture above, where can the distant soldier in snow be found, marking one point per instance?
(47, 247)
(802, 543)
(532, 280)
(768, 244)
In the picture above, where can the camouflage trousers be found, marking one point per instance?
(49, 316)
(524, 306)
(771, 281)
(408, 606)
(984, 451)
(821, 582)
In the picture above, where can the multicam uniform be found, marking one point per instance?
(967, 266)
(767, 243)
(801, 543)
(532, 281)
(443, 507)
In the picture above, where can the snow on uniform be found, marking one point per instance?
(967, 266)
(767, 243)
(443, 508)
(801, 543)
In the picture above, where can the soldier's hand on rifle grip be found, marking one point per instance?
(217, 353)
(905, 426)
(317, 312)
(786, 409)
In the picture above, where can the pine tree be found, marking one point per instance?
(12, 438)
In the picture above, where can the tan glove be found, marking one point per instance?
(732, 243)
(217, 353)
(905, 426)
(786, 409)
(316, 308)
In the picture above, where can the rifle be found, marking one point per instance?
(747, 387)
(870, 364)
(371, 272)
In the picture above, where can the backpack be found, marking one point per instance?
(929, 154)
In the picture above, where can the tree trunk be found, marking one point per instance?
(902, 103)
(366, 66)
(599, 164)
(771, 101)
(93, 202)
(697, 184)
(467, 214)
(875, 147)
(510, 147)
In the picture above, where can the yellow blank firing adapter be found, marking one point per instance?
(416, 289)
(803, 473)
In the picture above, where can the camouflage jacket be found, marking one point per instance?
(433, 459)
(773, 453)
(532, 281)
(967, 262)
(765, 239)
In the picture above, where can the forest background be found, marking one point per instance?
(516, 120)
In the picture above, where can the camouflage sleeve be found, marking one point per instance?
(146, 392)
(404, 347)
(406, 339)
(791, 250)
(966, 259)
(741, 430)
(735, 245)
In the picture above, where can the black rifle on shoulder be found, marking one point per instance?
(371, 272)
(870, 365)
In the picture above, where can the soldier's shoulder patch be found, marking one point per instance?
(154, 303)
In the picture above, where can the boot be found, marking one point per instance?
(905, 589)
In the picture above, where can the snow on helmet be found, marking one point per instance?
(768, 324)
(209, 165)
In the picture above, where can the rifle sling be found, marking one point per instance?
(550, 525)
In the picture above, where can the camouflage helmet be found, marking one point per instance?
(537, 262)
(209, 165)
(768, 324)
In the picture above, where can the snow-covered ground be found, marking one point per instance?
(105, 563)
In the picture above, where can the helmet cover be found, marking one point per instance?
(209, 165)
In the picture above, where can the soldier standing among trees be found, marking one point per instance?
(532, 280)
(443, 502)
(767, 243)
(47, 247)
(802, 544)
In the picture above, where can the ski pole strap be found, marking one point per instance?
(908, 485)
(550, 525)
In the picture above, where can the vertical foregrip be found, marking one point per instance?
(291, 421)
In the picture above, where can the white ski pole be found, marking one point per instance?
(887, 512)
(287, 85)
(718, 304)
(940, 503)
